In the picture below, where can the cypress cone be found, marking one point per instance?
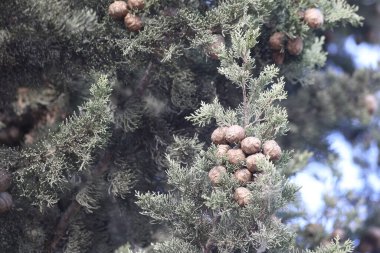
(242, 196)
(118, 10)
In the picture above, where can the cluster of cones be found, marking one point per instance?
(121, 10)
(244, 153)
(280, 43)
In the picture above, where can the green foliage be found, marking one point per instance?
(262, 106)
(208, 112)
(313, 57)
(265, 121)
(60, 17)
(322, 104)
(50, 166)
(191, 29)
(121, 183)
(175, 245)
(9, 157)
(4, 37)
(184, 149)
(128, 116)
(80, 238)
(200, 214)
(197, 210)
(162, 73)
(90, 195)
(334, 247)
(126, 249)
(340, 10)
(183, 91)
(299, 161)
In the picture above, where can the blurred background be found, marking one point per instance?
(341, 183)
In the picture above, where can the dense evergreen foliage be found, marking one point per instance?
(93, 111)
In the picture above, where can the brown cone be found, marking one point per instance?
(313, 18)
(244, 176)
(6, 202)
(370, 239)
(276, 41)
(213, 48)
(272, 149)
(216, 173)
(133, 23)
(295, 46)
(370, 104)
(278, 57)
(118, 10)
(136, 4)
(251, 145)
(338, 232)
(235, 156)
(218, 136)
(222, 150)
(242, 196)
(235, 134)
(252, 160)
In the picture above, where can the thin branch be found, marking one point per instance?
(245, 100)
(245, 106)
(75, 207)
(63, 223)
(144, 80)
(208, 248)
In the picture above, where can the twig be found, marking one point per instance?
(144, 80)
(208, 247)
(245, 102)
(63, 223)
(75, 207)
(245, 106)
